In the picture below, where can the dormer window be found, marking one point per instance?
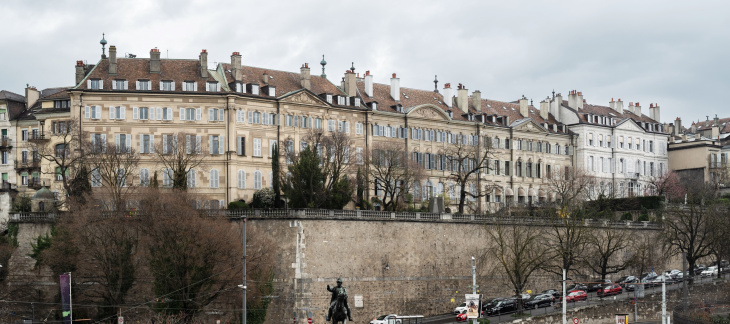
(399, 108)
(95, 84)
(356, 101)
(329, 98)
(62, 104)
(119, 85)
(341, 100)
(213, 86)
(190, 86)
(167, 85)
(240, 88)
(144, 85)
(374, 105)
(253, 88)
(272, 91)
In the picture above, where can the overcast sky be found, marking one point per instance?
(668, 52)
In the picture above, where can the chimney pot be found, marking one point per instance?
(367, 72)
(394, 75)
(236, 53)
(79, 63)
(447, 86)
(205, 51)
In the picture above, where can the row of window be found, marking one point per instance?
(146, 85)
(167, 178)
(628, 142)
(629, 167)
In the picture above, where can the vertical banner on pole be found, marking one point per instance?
(65, 283)
(472, 305)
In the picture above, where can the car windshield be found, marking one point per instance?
(462, 305)
(574, 293)
(382, 317)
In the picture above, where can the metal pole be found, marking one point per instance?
(474, 282)
(664, 300)
(636, 300)
(70, 298)
(243, 301)
(565, 302)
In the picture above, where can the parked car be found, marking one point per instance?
(460, 309)
(598, 285)
(461, 317)
(538, 301)
(491, 303)
(624, 279)
(658, 280)
(555, 293)
(576, 286)
(649, 276)
(709, 272)
(630, 285)
(576, 295)
(503, 307)
(609, 290)
(699, 268)
(673, 273)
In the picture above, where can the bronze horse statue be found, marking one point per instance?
(339, 313)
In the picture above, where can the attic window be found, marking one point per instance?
(240, 87)
(167, 85)
(399, 108)
(253, 88)
(95, 84)
(213, 86)
(329, 98)
(272, 90)
(374, 105)
(190, 86)
(62, 104)
(356, 102)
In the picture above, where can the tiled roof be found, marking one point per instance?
(7, 95)
(283, 81)
(414, 97)
(55, 93)
(724, 124)
(597, 110)
(133, 69)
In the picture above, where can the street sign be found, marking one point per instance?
(120, 320)
(309, 320)
(575, 320)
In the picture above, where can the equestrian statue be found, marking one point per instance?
(339, 310)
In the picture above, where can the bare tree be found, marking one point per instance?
(178, 154)
(646, 252)
(687, 228)
(466, 160)
(391, 172)
(570, 185)
(667, 185)
(566, 243)
(605, 251)
(62, 149)
(112, 171)
(334, 151)
(520, 251)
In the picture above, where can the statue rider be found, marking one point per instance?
(337, 291)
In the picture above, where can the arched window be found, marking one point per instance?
(257, 180)
(417, 191)
(214, 178)
(439, 189)
(428, 192)
(144, 177)
(241, 179)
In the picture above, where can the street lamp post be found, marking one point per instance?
(243, 301)
(474, 282)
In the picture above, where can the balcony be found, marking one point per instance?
(6, 186)
(5, 143)
(35, 183)
(35, 137)
(28, 164)
(632, 175)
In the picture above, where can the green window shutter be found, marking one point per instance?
(5, 177)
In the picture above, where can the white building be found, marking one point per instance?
(11, 105)
(623, 148)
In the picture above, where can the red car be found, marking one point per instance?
(614, 289)
(576, 296)
(461, 317)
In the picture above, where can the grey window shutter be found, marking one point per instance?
(221, 144)
(136, 85)
(238, 146)
(210, 143)
(211, 113)
(126, 85)
(152, 143)
(141, 143)
(172, 85)
(164, 144)
(221, 114)
(111, 112)
(88, 84)
(195, 86)
(87, 112)
(123, 114)
(114, 85)
(159, 113)
(198, 147)
(135, 113)
(198, 113)
(182, 113)
(101, 84)
(129, 142)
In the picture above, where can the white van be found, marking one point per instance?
(398, 319)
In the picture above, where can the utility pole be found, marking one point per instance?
(664, 299)
(243, 301)
(474, 283)
(565, 308)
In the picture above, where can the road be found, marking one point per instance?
(593, 299)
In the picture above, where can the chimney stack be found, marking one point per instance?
(368, 84)
(395, 88)
(462, 98)
(619, 106)
(236, 67)
(113, 60)
(524, 109)
(677, 126)
(637, 109)
(31, 96)
(154, 60)
(476, 100)
(654, 112)
(203, 63)
(265, 78)
(556, 105)
(304, 77)
(580, 100)
(448, 96)
(544, 109)
(350, 83)
(573, 99)
(80, 72)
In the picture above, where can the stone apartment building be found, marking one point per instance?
(11, 105)
(237, 113)
(701, 151)
(623, 148)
